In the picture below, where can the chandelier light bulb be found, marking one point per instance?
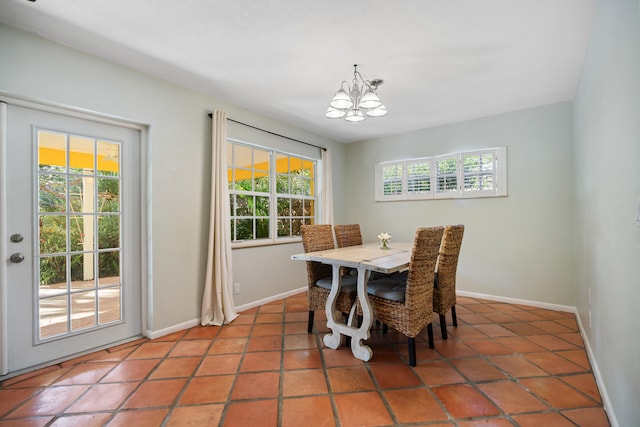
(378, 111)
(341, 100)
(354, 115)
(334, 113)
(370, 99)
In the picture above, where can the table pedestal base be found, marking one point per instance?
(335, 339)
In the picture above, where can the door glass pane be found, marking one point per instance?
(81, 236)
(81, 194)
(73, 237)
(53, 275)
(82, 274)
(81, 157)
(83, 308)
(108, 231)
(53, 234)
(108, 195)
(52, 151)
(53, 192)
(109, 304)
(108, 158)
(53, 316)
(108, 268)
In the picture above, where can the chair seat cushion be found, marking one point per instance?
(349, 284)
(401, 277)
(387, 288)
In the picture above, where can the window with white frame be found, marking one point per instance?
(481, 173)
(272, 193)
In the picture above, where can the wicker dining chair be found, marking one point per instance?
(348, 235)
(319, 237)
(444, 291)
(408, 307)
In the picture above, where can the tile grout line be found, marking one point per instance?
(190, 378)
(229, 400)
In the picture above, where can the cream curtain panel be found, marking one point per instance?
(217, 301)
(327, 188)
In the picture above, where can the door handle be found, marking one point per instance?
(16, 258)
(16, 238)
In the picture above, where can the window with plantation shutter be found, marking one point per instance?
(481, 173)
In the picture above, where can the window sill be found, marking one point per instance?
(265, 242)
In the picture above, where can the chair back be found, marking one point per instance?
(448, 256)
(348, 235)
(422, 266)
(317, 237)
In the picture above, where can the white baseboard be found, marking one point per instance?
(195, 322)
(606, 402)
(152, 335)
(263, 301)
(596, 373)
(556, 307)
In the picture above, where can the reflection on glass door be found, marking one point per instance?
(79, 216)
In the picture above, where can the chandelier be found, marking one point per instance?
(355, 101)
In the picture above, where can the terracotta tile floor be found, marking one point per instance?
(505, 365)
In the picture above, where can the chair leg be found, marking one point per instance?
(310, 324)
(430, 335)
(385, 328)
(453, 314)
(412, 351)
(443, 326)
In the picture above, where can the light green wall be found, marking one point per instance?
(607, 153)
(180, 166)
(520, 246)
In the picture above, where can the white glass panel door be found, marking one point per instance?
(74, 198)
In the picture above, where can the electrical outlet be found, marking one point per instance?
(236, 288)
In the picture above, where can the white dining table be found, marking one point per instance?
(365, 259)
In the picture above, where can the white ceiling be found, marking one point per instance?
(442, 61)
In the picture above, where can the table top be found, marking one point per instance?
(370, 256)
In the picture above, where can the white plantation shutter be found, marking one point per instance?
(447, 175)
(389, 181)
(478, 170)
(419, 178)
(480, 173)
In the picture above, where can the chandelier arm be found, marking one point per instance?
(364, 81)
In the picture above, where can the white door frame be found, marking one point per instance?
(145, 206)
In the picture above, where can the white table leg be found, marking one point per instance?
(338, 329)
(334, 339)
(360, 350)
